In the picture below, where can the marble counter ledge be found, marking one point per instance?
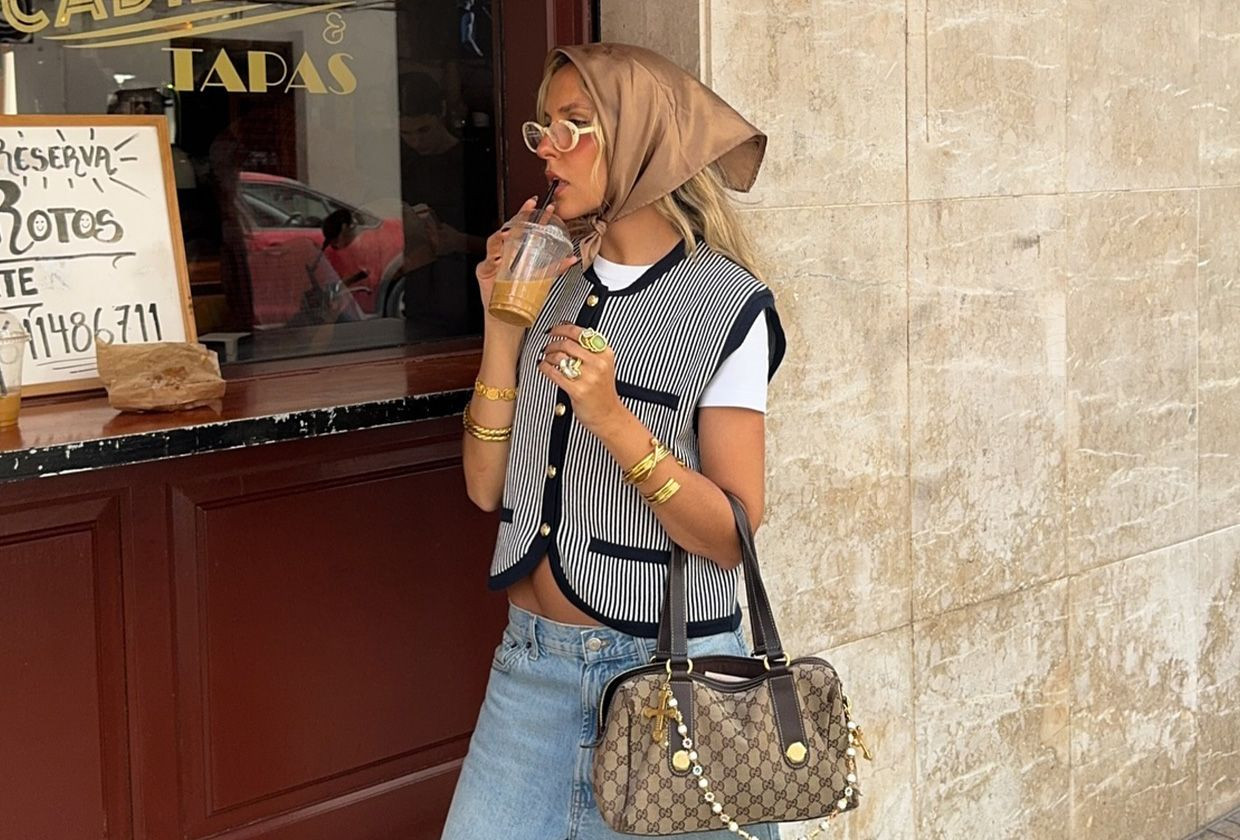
(56, 437)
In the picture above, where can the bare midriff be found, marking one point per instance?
(539, 593)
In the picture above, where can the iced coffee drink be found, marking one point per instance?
(536, 246)
(519, 301)
(9, 406)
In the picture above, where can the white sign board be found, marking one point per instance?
(90, 241)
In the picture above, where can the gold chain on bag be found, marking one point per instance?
(855, 741)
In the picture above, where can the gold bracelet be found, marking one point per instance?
(670, 488)
(490, 392)
(483, 433)
(488, 435)
(640, 472)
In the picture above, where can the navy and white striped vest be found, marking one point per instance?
(563, 496)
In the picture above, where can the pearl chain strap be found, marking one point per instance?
(718, 809)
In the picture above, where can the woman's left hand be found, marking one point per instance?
(593, 392)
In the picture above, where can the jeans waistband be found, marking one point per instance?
(584, 643)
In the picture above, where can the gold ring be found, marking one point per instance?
(592, 340)
(570, 366)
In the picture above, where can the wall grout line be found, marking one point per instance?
(1197, 523)
(1065, 483)
(757, 208)
(1197, 511)
(705, 69)
(908, 426)
(925, 50)
(1036, 584)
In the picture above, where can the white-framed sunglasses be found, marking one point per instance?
(564, 134)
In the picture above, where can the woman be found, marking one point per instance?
(612, 428)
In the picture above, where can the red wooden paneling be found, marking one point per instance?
(63, 755)
(333, 635)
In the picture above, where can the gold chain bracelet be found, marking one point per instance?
(670, 488)
(640, 472)
(483, 433)
(490, 392)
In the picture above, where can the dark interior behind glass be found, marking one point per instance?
(335, 163)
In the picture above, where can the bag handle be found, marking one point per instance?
(673, 642)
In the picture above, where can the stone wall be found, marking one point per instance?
(1004, 450)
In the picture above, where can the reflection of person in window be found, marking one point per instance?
(328, 299)
(433, 167)
(225, 157)
(445, 184)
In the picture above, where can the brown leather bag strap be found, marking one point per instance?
(761, 617)
(673, 619)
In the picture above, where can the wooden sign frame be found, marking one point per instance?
(160, 125)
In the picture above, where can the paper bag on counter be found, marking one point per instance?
(161, 376)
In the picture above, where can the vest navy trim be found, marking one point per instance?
(628, 552)
(763, 301)
(637, 392)
(587, 316)
(696, 629)
(651, 274)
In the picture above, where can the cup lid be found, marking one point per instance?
(11, 328)
(549, 223)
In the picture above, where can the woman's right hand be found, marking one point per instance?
(488, 269)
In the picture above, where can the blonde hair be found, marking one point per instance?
(700, 207)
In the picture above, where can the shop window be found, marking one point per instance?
(337, 165)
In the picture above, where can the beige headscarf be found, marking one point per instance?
(673, 128)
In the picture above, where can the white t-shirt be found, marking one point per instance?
(740, 381)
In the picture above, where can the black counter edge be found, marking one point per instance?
(203, 438)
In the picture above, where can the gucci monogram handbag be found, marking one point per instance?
(724, 741)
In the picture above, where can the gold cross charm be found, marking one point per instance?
(661, 714)
(860, 741)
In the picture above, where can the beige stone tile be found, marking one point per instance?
(1132, 94)
(1218, 713)
(986, 109)
(1134, 640)
(1218, 71)
(991, 688)
(825, 80)
(878, 678)
(1218, 279)
(669, 27)
(1131, 426)
(986, 404)
(835, 537)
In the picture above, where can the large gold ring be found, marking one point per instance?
(592, 340)
(570, 366)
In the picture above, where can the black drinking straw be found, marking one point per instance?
(555, 182)
(4, 392)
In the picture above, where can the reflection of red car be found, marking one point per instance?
(284, 238)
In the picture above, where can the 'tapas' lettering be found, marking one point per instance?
(264, 72)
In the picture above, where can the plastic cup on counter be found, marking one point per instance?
(13, 341)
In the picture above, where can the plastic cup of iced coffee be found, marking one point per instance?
(13, 341)
(537, 245)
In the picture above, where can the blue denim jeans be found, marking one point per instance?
(527, 773)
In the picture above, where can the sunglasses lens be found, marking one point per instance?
(532, 132)
(561, 135)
